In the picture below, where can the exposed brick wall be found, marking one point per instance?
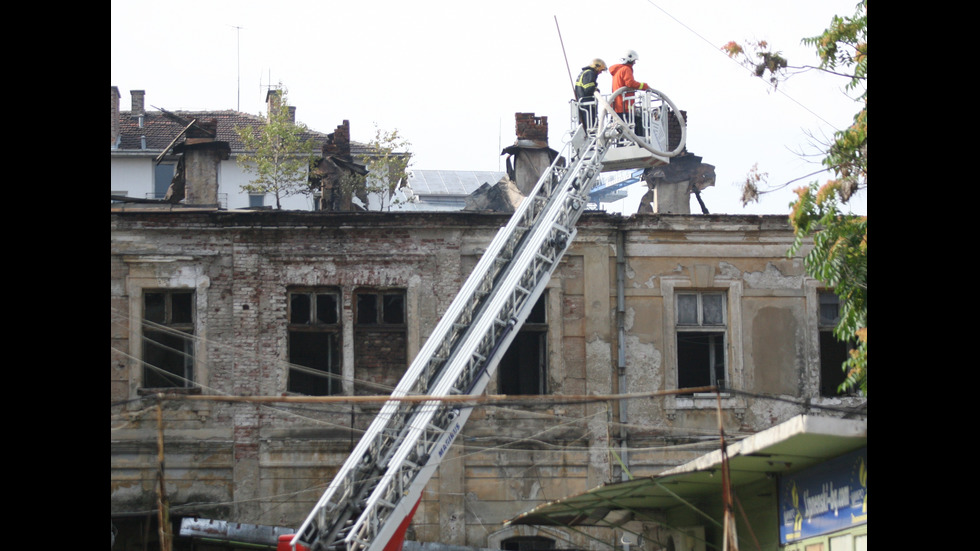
(530, 127)
(379, 357)
(338, 142)
(242, 266)
(113, 115)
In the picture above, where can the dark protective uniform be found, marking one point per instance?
(585, 88)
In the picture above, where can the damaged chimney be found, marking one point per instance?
(338, 142)
(530, 155)
(201, 156)
(532, 129)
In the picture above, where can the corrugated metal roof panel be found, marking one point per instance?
(451, 182)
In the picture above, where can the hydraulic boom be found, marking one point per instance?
(368, 504)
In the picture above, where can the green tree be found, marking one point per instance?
(839, 256)
(277, 154)
(387, 164)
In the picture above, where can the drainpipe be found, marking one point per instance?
(621, 345)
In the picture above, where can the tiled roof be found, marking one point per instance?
(161, 130)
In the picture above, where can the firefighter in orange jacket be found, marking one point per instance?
(622, 75)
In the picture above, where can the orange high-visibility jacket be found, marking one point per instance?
(622, 75)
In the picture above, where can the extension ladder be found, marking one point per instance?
(370, 501)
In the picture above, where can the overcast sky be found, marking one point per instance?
(450, 74)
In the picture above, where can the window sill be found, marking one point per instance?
(168, 390)
(704, 402)
(842, 400)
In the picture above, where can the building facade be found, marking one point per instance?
(142, 160)
(292, 304)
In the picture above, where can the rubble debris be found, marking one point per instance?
(504, 196)
(527, 159)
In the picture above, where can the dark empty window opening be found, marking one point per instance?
(833, 352)
(380, 308)
(701, 340)
(523, 369)
(527, 543)
(380, 339)
(168, 343)
(314, 342)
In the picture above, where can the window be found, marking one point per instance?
(256, 200)
(168, 343)
(523, 369)
(314, 342)
(380, 338)
(163, 174)
(381, 308)
(701, 341)
(527, 543)
(833, 352)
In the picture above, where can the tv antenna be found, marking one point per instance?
(238, 62)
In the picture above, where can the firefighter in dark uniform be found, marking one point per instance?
(585, 89)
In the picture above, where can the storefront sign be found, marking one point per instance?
(828, 497)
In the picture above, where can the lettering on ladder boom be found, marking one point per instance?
(452, 436)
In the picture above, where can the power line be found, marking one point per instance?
(717, 49)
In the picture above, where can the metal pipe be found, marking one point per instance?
(621, 345)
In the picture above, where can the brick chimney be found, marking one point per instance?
(138, 99)
(114, 116)
(338, 142)
(272, 100)
(531, 153)
(532, 128)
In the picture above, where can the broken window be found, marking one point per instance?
(314, 342)
(524, 367)
(380, 339)
(701, 339)
(833, 352)
(168, 342)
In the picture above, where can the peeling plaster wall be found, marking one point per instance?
(267, 464)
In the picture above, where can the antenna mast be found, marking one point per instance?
(238, 61)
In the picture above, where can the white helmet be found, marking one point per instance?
(630, 57)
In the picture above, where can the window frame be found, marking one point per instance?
(188, 378)
(366, 372)
(670, 287)
(825, 334)
(536, 326)
(331, 328)
(161, 183)
(381, 308)
(703, 328)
